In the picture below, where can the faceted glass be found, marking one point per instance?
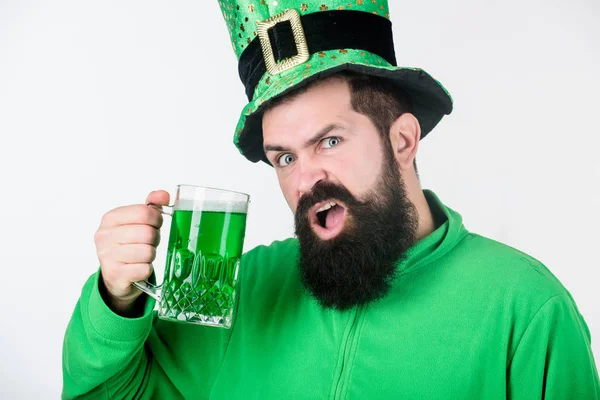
(203, 257)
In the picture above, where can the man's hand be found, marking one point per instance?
(126, 246)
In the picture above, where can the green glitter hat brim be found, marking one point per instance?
(430, 100)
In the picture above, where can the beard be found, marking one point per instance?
(359, 264)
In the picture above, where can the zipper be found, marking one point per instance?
(345, 354)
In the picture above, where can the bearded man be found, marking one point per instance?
(383, 293)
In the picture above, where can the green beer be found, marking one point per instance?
(203, 257)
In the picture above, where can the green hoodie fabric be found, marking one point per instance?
(467, 318)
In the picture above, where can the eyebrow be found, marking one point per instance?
(315, 139)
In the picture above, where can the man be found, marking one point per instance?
(383, 294)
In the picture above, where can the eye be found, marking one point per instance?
(331, 142)
(285, 159)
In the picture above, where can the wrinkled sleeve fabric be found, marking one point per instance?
(104, 354)
(554, 359)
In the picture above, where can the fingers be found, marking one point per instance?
(138, 272)
(158, 197)
(136, 234)
(127, 234)
(134, 253)
(118, 278)
(138, 214)
(126, 246)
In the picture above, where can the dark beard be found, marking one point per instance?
(359, 265)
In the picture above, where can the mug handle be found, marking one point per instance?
(151, 290)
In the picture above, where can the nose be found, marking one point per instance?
(309, 173)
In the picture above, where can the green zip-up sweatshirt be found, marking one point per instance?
(467, 318)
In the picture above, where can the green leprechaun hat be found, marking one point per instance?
(284, 44)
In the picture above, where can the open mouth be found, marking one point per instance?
(327, 219)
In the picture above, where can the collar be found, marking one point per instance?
(449, 233)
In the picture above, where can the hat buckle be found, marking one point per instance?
(273, 67)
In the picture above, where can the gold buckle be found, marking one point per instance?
(274, 67)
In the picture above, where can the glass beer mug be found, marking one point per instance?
(203, 256)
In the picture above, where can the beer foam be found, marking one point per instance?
(214, 206)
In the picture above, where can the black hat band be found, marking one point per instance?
(326, 30)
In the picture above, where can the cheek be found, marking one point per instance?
(359, 173)
(369, 173)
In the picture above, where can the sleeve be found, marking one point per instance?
(104, 354)
(554, 359)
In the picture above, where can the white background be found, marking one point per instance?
(102, 102)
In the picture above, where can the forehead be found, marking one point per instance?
(304, 114)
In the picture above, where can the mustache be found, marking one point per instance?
(325, 191)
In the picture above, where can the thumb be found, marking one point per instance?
(158, 197)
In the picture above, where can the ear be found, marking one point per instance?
(405, 134)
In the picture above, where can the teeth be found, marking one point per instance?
(326, 206)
